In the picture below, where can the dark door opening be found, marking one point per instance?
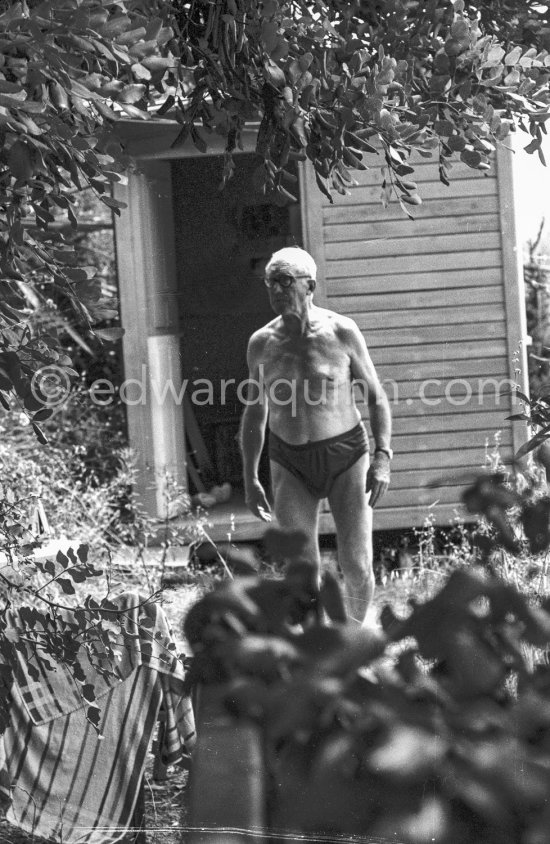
(223, 240)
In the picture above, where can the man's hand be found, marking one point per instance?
(256, 501)
(378, 477)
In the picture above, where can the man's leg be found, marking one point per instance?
(296, 508)
(353, 519)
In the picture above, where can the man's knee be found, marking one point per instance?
(356, 545)
(357, 568)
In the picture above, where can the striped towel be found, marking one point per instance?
(71, 783)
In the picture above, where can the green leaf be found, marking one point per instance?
(157, 65)
(39, 433)
(471, 157)
(198, 140)
(531, 444)
(110, 334)
(496, 53)
(513, 56)
(116, 26)
(82, 91)
(456, 142)
(132, 111)
(20, 161)
(105, 112)
(93, 715)
(33, 404)
(533, 146)
(515, 391)
(11, 102)
(116, 204)
(274, 74)
(88, 692)
(269, 35)
(444, 127)
(131, 94)
(411, 199)
(66, 585)
(62, 559)
(82, 552)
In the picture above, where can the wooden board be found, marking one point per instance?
(424, 169)
(434, 477)
(429, 172)
(434, 209)
(483, 420)
(429, 443)
(424, 496)
(431, 393)
(428, 190)
(431, 279)
(417, 334)
(408, 516)
(443, 514)
(344, 268)
(446, 459)
(429, 178)
(422, 299)
(443, 369)
(487, 403)
(457, 350)
(393, 229)
(444, 243)
(414, 317)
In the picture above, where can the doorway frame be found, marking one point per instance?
(147, 275)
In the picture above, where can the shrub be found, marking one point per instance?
(82, 479)
(435, 730)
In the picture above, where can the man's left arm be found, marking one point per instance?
(364, 373)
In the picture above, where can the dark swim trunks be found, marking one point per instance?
(317, 464)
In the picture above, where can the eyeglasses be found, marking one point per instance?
(284, 280)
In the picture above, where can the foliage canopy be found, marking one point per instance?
(345, 84)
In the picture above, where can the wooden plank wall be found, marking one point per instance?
(429, 296)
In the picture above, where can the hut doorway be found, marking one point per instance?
(223, 239)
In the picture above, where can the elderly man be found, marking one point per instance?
(305, 362)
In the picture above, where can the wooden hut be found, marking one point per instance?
(439, 299)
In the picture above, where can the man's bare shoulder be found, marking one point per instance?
(265, 333)
(344, 327)
(259, 339)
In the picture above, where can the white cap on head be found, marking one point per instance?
(294, 260)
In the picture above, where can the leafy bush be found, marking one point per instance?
(434, 730)
(82, 480)
(537, 312)
(36, 591)
(60, 605)
(83, 477)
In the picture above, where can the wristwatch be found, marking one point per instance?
(387, 451)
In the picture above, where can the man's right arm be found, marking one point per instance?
(252, 432)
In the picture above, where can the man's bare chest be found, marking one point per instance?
(315, 361)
